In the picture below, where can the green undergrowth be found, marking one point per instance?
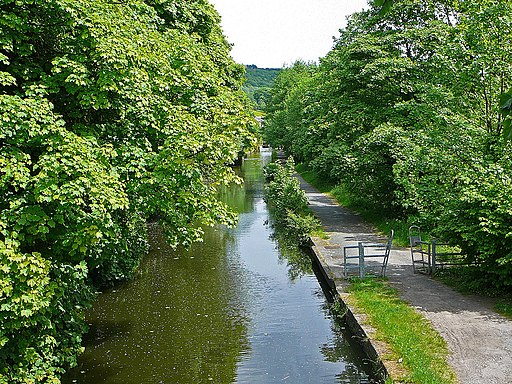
(323, 185)
(470, 280)
(288, 203)
(383, 224)
(413, 342)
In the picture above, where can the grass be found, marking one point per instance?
(413, 341)
(312, 178)
(504, 307)
(382, 224)
(469, 280)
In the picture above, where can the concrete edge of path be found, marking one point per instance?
(356, 321)
(479, 340)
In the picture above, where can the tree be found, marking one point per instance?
(113, 115)
(405, 114)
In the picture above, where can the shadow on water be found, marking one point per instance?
(101, 331)
(240, 307)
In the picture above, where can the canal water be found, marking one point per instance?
(238, 308)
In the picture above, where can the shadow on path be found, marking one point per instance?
(480, 340)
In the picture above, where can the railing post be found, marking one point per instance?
(345, 262)
(361, 259)
(433, 269)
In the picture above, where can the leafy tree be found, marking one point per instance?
(258, 83)
(113, 114)
(281, 122)
(406, 113)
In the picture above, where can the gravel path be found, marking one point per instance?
(480, 341)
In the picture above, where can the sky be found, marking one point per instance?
(274, 33)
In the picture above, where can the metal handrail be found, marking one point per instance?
(362, 256)
(431, 254)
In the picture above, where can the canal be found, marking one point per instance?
(238, 308)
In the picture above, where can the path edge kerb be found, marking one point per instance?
(360, 330)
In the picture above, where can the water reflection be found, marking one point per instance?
(239, 307)
(180, 321)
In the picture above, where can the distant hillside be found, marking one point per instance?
(259, 81)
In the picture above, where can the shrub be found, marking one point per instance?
(288, 202)
(41, 316)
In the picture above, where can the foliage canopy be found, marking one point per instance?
(410, 113)
(112, 114)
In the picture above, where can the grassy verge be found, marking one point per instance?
(468, 280)
(382, 224)
(421, 351)
(504, 307)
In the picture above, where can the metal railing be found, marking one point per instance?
(426, 255)
(363, 254)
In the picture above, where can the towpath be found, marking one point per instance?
(479, 340)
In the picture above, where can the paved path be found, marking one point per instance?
(480, 341)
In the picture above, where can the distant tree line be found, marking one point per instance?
(410, 114)
(112, 114)
(258, 83)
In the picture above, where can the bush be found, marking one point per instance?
(41, 315)
(288, 202)
(301, 226)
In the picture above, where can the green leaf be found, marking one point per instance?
(507, 128)
(506, 102)
(385, 5)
